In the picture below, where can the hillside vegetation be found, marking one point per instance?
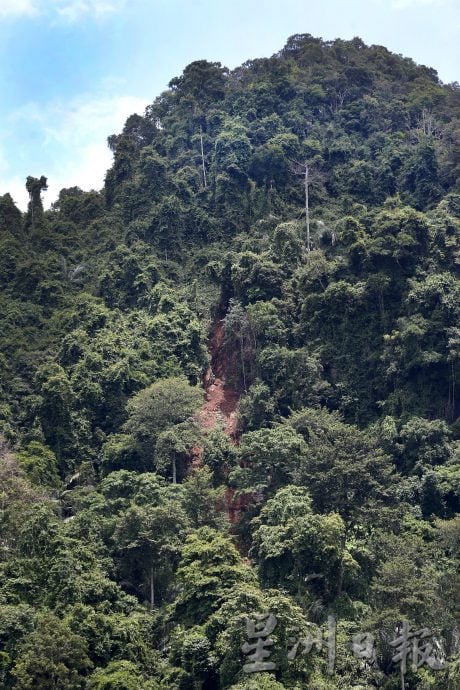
(229, 385)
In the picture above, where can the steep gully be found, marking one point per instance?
(220, 403)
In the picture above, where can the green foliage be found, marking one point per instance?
(339, 484)
(158, 419)
(148, 542)
(35, 216)
(10, 216)
(269, 458)
(210, 567)
(201, 500)
(345, 469)
(118, 675)
(293, 545)
(52, 657)
(40, 464)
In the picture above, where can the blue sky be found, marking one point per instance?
(71, 71)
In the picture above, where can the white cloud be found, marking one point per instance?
(72, 140)
(16, 186)
(404, 4)
(14, 8)
(67, 10)
(71, 10)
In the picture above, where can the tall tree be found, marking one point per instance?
(35, 215)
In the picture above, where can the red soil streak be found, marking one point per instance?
(220, 406)
(235, 506)
(221, 399)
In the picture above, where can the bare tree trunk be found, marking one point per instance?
(341, 567)
(450, 408)
(174, 470)
(453, 390)
(152, 589)
(307, 209)
(202, 158)
(242, 362)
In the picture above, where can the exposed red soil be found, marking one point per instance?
(221, 399)
(220, 404)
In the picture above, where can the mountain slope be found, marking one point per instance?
(290, 228)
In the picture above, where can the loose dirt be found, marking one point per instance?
(220, 404)
(221, 399)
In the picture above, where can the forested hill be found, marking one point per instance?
(229, 385)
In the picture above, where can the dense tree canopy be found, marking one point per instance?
(143, 518)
